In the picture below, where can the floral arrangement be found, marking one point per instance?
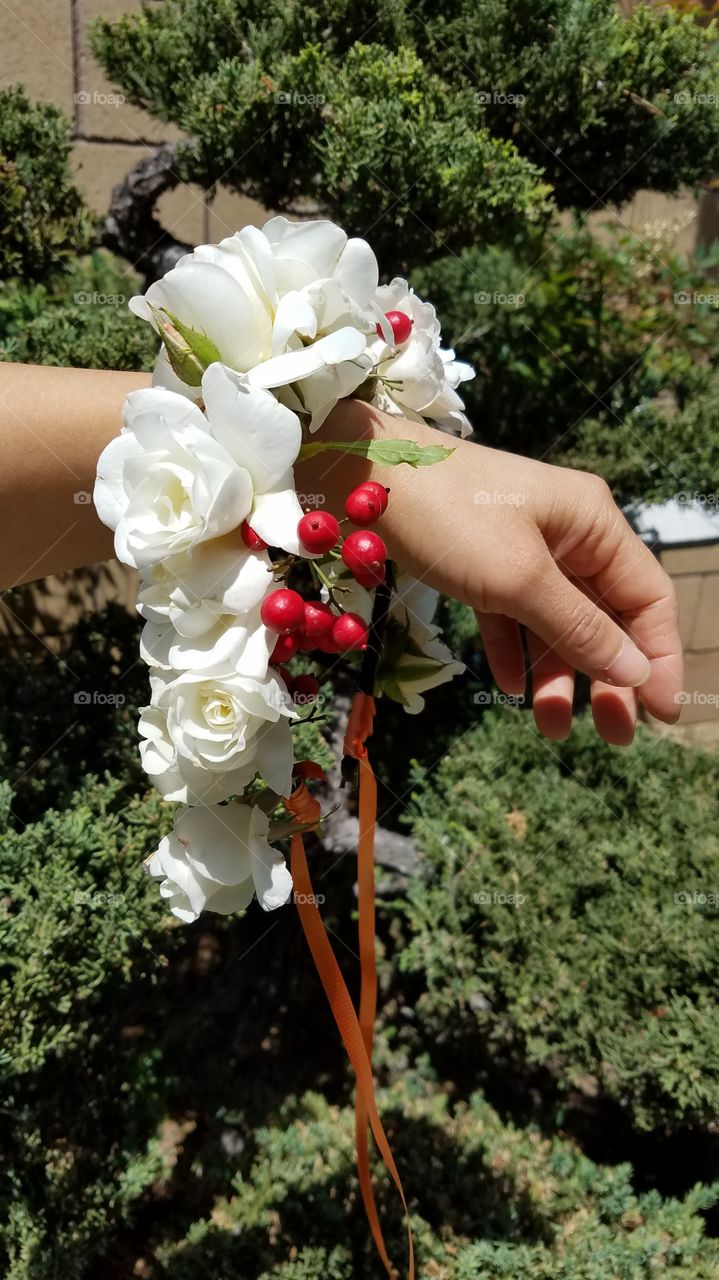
(262, 335)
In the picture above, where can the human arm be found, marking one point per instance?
(519, 541)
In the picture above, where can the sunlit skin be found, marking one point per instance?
(521, 542)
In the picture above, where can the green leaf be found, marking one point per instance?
(388, 453)
(414, 671)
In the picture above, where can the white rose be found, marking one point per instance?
(206, 736)
(165, 483)
(421, 377)
(263, 438)
(175, 477)
(216, 859)
(234, 643)
(291, 303)
(192, 591)
(447, 409)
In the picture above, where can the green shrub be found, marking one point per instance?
(63, 718)
(78, 317)
(42, 216)
(585, 356)
(413, 135)
(148, 1118)
(569, 912)
(539, 1206)
(81, 1099)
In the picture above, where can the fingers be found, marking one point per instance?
(614, 712)
(591, 539)
(582, 635)
(503, 649)
(552, 690)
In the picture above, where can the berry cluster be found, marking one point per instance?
(312, 625)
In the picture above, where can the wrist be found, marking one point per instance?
(326, 480)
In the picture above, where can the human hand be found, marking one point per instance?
(524, 543)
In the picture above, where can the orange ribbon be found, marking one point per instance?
(357, 1032)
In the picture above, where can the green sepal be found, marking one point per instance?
(189, 351)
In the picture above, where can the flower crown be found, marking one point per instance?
(262, 335)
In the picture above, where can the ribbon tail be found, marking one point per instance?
(353, 1039)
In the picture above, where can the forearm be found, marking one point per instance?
(54, 424)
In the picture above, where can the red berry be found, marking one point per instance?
(318, 531)
(378, 489)
(286, 675)
(283, 611)
(400, 324)
(370, 580)
(251, 539)
(364, 504)
(350, 632)
(304, 689)
(327, 644)
(285, 648)
(364, 553)
(319, 620)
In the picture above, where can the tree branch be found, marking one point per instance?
(131, 228)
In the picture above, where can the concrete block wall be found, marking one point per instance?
(695, 573)
(44, 46)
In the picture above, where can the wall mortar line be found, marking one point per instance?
(77, 65)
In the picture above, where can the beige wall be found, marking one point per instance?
(44, 46)
(695, 573)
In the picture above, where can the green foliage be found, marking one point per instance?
(451, 125)
(64, 715)
(80, 1098)
(659, 449)
(77, 317)
(611, 104)
(544, 1209)
(42, 216)
(569, 911)
(148, 1119)
(597, 354)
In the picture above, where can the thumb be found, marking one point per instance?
(580, 632)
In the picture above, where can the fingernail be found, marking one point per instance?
(630, 669)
